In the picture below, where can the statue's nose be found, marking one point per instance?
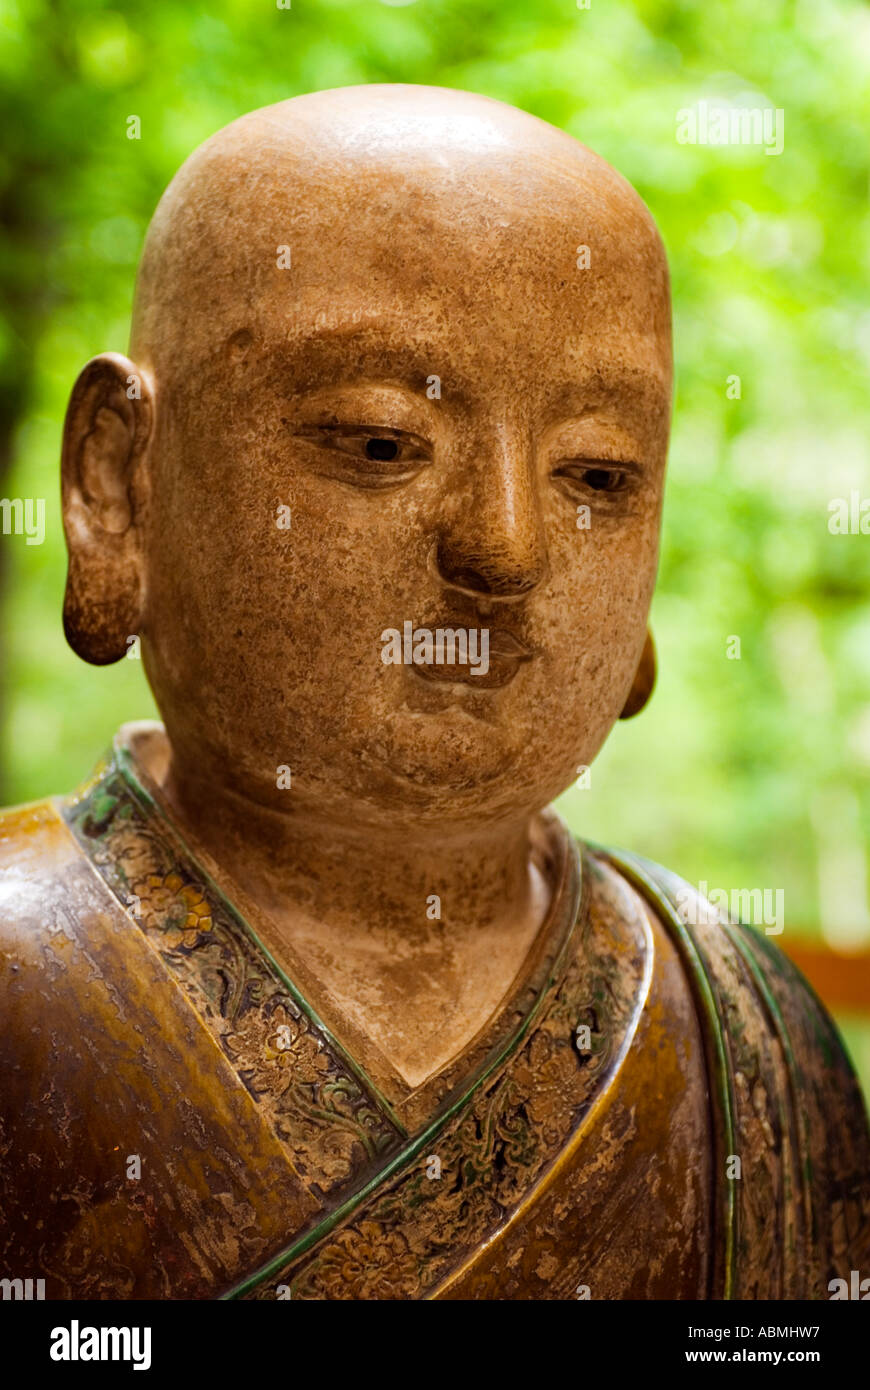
(489, 571)
(494, 545)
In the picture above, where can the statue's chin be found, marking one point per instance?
(440, 775)
(426, 759)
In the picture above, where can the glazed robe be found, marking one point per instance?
(658, 1109)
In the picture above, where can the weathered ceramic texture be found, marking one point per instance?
(398, 355)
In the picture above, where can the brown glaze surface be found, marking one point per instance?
(400, 359)
(102, 1059)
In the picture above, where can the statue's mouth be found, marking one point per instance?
(506, 654)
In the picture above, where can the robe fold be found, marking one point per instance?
(659, 1108)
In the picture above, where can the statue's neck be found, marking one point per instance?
(360, 878)
(415, 936)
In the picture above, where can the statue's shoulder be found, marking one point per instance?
(47, 890)
(793, 1148)
(31, 836)
(38, 856)
(115, 1096)
(70, 967)
(739, 972)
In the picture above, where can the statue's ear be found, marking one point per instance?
(106, 433)
(644, 680)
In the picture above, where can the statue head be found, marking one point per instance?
(400, 356)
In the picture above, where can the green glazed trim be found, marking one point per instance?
(407, 1155)
(642, 874)
(748, 943)
(126, 766)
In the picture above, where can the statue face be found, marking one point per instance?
(468, 425)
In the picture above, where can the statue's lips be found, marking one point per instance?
(506, 655)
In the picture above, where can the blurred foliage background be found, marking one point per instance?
(748, 772)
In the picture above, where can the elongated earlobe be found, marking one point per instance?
(644, 680)
(106, 433)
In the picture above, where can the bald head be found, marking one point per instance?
(394, 194)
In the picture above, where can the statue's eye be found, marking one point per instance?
(390, 452)
(596, 475)
(384, 449)
(603, 479)
(369, 455)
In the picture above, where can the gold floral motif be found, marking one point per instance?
(494, 1150)
(178, 910)
(491, 1154)
(329, 1125)
(364, 1262)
